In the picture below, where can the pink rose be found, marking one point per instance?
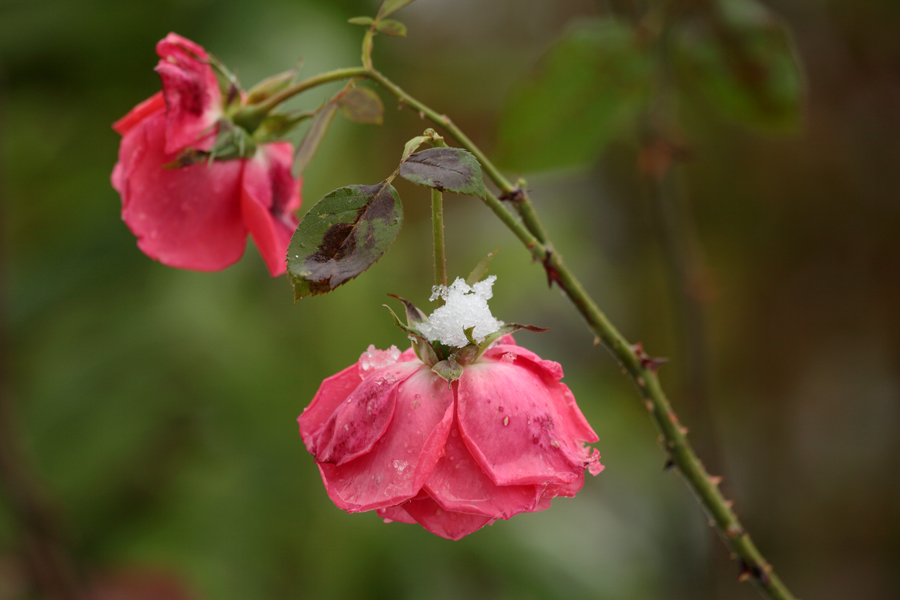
(198, 216)
(390, 435)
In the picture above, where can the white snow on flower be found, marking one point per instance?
(373, 358)
(464, 307)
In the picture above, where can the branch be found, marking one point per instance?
(639, 366)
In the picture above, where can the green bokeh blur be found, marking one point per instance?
(156, 408)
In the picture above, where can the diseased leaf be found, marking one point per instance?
(742, 62)
(391, 27)
(361, 21)
(592, 85)
(344, 234)
(389, 7)
(445, 169)
(362, 105)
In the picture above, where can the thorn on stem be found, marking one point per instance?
(744, 573)
(754, 571)
(670, 464)
(552, 272)
(648, 362)
(515, 196)
(715, 479)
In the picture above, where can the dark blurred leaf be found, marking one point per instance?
(391, 27)
(313, 137)
(389, 7)
(591, 85)
(362, 105)
(445, 169)
(742, 62)
(344, 234)
(361, 21)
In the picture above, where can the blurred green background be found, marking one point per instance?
(153, 410)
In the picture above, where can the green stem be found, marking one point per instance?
(437, 227)
(641, 368)
(250, 117)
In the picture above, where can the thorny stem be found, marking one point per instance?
(639, 366)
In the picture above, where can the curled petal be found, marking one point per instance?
(137, 115)
(445, 523)
(191, 91)
(400, 462)
(331, 394)
(358, 423)
(188, 217)
(269, 195)
(509, 421)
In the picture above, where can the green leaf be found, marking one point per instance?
(445, 169)
(591, 86)
(361, 21)
(422, 347)
(480, 269)
(344, 234)
(313, 137)
(742, 63)
(362, 105)
(505, 330)
(391, 27)
(270, 86)
(389, 7)
(448, 369)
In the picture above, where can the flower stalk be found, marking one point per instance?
(437, 227)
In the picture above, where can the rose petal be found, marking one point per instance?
(447, 524)
(400, 462)
(395, 513)
(269, 195)
(508, 418)
(550, 372)
(153, 104)
(459, 484)
(331, 394)
(191, 90)
(358, 423)
(188, 217)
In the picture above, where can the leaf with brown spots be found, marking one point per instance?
(445, 169)
(344, 234)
